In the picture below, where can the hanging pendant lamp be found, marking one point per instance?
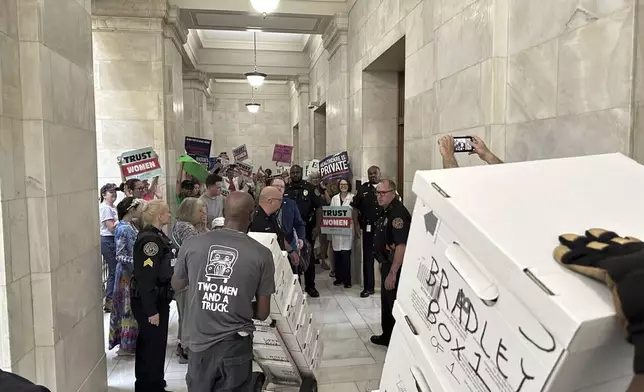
(253, 106)
(255, 78)
(265, 6)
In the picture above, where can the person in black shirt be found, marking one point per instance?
(309, 202)
(152, 293)
(367, 211)
(265, 220)
(10, 382)
(390, 241)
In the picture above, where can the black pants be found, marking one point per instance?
(309, 274)
(225, 367)
(150, 348)
(342, 263)
(367, 260)
(387, 299)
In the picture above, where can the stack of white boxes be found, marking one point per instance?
(287, 344)
(483, 307)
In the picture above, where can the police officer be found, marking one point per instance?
(151, 295)
(390, 240)
(309, 202)
(367, 211)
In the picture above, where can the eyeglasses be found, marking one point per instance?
(275, 199)
(383, 193)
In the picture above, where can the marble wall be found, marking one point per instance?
(51, 319)
(534, 81)
(233, 125)
(139, 85)
(301, 117)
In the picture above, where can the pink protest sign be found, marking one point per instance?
(282, 153)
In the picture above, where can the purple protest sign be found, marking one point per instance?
(282, 153)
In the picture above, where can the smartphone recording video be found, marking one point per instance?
(463, 144)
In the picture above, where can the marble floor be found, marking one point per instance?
(351, 363)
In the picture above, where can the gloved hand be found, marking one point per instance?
(618, 262)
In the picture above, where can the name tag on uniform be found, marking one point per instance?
(368, 228)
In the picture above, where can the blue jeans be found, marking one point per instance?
(108, 251)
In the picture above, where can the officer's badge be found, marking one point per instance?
(148, 263)
(151, 249)
(397, 223)
(306, 193)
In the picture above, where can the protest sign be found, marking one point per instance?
(246, 169)
(142, 164)
(282, 153)
(311, 166)
(240, 153)
(336, 220)
(335, 167)
(199, 149)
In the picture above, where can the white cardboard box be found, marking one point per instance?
(480, 287)
(407, 367)
(282, 372)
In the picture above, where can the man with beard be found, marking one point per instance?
(366, 212)
(309, 202)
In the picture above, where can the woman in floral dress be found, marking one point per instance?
(123, 325)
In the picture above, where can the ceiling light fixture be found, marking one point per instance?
(255, 78)
(265, 6)
(253, 106)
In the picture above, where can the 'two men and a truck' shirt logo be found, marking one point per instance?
(214, 291)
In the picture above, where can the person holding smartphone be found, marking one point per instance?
(449, 146)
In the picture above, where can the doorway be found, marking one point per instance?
(319, 132)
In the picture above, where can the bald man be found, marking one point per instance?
(266, 221)
(225, 270)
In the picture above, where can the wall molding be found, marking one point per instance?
(336, 34)
(197, 80)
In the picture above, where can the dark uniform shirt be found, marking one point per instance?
(263, 223)
(391, 229)
(366, 202)
(308, 199)
(153, 254)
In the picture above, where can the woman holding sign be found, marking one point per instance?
(342, 243)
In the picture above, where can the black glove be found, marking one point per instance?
(618, 262)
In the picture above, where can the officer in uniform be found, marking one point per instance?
(152, 293)
(367, 211)
(390, 241)
(309, 202)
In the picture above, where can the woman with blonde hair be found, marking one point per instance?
(152, 293)
(192, 218)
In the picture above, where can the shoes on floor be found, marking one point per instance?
(108, 306)
(312, 292)
(125, 353)
(380, 340)
(182, 353)
(366, 293)
(325, 264)
(347, 285)
(332, 274)
(337, 283)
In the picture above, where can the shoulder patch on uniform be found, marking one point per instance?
(317, 192)
(151, 248)
(148, 263)
(397, 223)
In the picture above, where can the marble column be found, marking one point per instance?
(337, 110)
(195, 95)
(304, 134)
(138, 83)
(51, 318)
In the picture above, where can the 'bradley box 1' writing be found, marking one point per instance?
(480, 286)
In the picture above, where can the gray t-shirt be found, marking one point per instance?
(226, 270)
(214, 207)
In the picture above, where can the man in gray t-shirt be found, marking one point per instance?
(213, 199)
(225, 270)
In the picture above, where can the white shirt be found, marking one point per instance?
(342, 242)
(107, 213)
